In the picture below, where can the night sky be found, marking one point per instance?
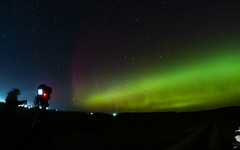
(122, 55)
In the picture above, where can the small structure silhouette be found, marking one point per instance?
(12, 101)
(39, 130)
(13, 126)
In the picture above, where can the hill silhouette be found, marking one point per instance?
(208, 130)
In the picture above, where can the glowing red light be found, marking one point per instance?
(44, 94)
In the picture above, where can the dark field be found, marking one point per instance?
(206, 130)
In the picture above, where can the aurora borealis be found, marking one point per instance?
(209, 83)
(123, 56)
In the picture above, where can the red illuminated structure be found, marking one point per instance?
(43, 96)
(39, 130)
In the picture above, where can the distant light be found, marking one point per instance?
(2, 101)
(47, 108)
(114, 114)
(40, 91)
(91, 113)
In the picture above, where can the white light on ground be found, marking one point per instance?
(2, 101)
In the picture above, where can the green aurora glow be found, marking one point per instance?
(212, 82)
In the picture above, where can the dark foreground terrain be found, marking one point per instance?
(206, 130)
